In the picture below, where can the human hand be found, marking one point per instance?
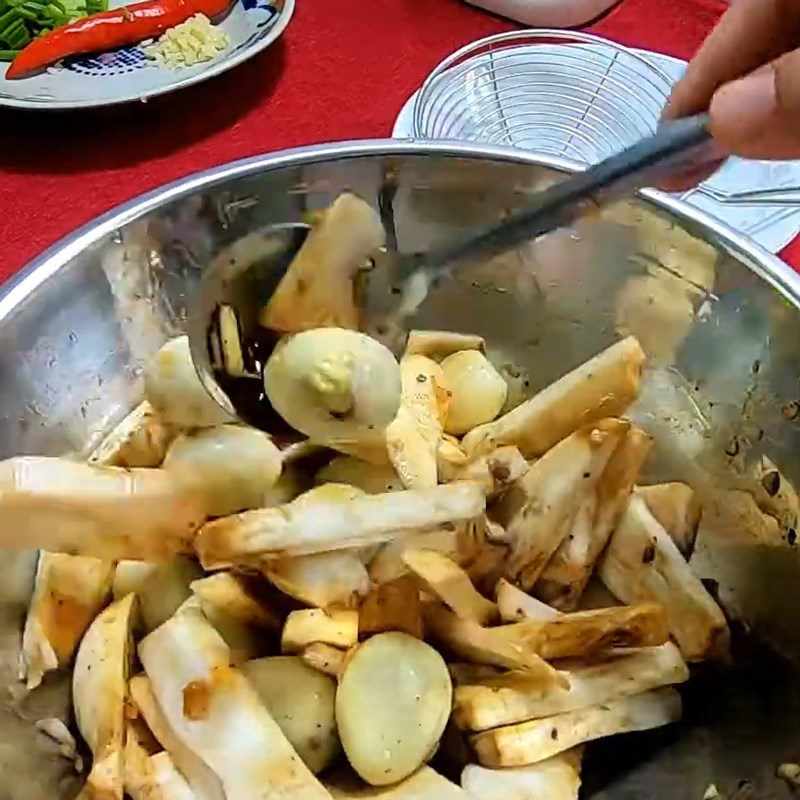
(747, 74)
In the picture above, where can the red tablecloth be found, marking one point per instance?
(341, 71)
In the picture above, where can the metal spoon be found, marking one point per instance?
(232, 294)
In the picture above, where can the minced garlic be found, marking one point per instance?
(192, 42)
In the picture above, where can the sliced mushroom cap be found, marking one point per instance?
(334, 385)
(392, 705)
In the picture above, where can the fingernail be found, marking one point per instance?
(747, 104)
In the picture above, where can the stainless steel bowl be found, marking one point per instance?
(78, 324)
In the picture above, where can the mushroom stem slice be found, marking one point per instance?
(214, 711)
(511, 698)
(602, 387)
(105, 512)
(451, 584)
(244, 641)
(677, 508)
(450, 457)
(152, 777)
(324, 658)
(560, 582)
(139, 779)
(332, 522)
(140, 440)
(338, 578)
(581, 634)
(538, 510)
(503, 646)
(497, 471)
(99, 685)
(413, 437)
(565, 577)
(173, 784)
(228, 593)
(437, 345)
(466, 674)
(388, 564)
(318, 290)
(201, 778)
(336, 627)
(584, 633)
(515, 605)
(68, 593)
(535, 740)
(393, 606)
(556, 778)
(643, 564)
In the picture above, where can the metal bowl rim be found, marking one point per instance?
(15, 291)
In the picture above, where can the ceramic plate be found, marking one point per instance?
(125, 75)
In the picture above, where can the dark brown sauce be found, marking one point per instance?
(247, 394)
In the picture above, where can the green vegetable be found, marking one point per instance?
(31, 15)
(33, 6)
(58, 16)
(22, 20)
(9, 33)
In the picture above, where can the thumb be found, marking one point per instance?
(758, 116)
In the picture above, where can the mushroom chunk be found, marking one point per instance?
(214, 711)
(68, 593)
(233, 466)
(392, 704)
(104, 512)
(173, 389)
(479, 391)
(320, 285)
(301, 700)
(370, 478)
(339, 387)
(99, 685)
(139, 440)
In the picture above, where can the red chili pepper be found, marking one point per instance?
(110, 29)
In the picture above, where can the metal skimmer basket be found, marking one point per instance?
(556, 92)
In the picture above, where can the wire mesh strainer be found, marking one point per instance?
(561, 93)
